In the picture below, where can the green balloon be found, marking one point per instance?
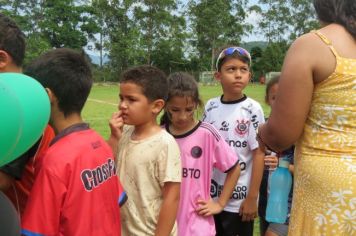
(35, 106)
(10, 123)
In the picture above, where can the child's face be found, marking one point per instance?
(136, 108)
(234, 77)
(181, 112)
(272, 93)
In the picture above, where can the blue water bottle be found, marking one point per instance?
(280, 185)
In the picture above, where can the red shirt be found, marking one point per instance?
(18, 193)
(76, 191)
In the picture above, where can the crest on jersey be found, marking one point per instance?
(196, 152)
(242, 127)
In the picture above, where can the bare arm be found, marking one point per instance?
(5, 181)
(229, 185)
(291, 168)
(248, 208)
(289, 113)
(210, 207)
(169, 209)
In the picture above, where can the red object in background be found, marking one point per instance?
(262, 80)
(19, 192)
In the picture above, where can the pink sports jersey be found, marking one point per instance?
(76, 191)
(202, 148)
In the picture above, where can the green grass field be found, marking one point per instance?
(103, 101)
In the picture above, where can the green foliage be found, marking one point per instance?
(254, 44)
(285, 20)
(273, 56)
(104, 74)
(118, 33)
(216, 23)
(154, 22)
(35, 46)
(304, 18)
(257, 66)
(275, 20)
(65, 24)
(172, 35)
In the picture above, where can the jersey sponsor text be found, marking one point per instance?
(92, 178)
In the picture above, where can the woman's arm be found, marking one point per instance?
(290, 110)
(291, 168)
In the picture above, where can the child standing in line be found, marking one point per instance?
(271, 162)
(202, 148)
(237, 117)
(148, 159)
(76, 191)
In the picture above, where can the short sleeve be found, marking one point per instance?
(169, 163)
(122, 195)
(42, 214)
(206, 115)
(257, 118)
(224, 156)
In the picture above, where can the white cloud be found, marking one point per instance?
(253, 18)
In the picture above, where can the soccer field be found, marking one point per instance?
(103, 101)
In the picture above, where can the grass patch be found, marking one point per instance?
(100, 105)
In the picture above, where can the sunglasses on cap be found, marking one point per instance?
(230, 51)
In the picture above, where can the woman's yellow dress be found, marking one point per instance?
(324, 200)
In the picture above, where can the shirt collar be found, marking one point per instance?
(71, 129)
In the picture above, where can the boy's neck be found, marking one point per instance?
(232, 97)
(11, 68)
(145, 130)
(60, 122)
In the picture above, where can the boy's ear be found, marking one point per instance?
(217, 75)
(51, 96)
(157, 106)
(5, 59)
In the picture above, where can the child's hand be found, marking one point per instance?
(271, 162)
(116, 124)
(248, 209)
(208, 208)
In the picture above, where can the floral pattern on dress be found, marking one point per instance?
(324, 200)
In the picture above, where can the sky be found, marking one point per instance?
(253, 19)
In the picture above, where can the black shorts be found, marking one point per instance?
(231, 224)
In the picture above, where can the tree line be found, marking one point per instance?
(172, 35)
